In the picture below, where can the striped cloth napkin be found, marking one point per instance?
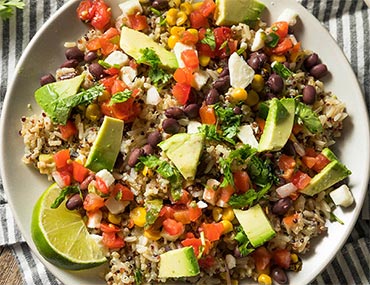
(347, 21)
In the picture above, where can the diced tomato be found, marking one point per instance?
(291, 220)
(300, 179)
(286, 162)
(283, 47)
(61, 158)
(95, 11)
(108, 82)
(137, 22)
(184, 75)
(321, 162)
(213, 231)
(101, 186)
(68, 130)
(309, 161)
(225, 193)
(112, 240)
(118, 86)
(62, 177)
(281, 257)
(197, 20)
(207, 8)
(225, 45)
(111, 71)
(190, 59)
(194, 212)
(182, 215)
(206, 262)
(207, 115)
(172, 227)
(126, 111)
(93, 202)
(125, 192)
(262, 258)
(280, 28)
(242, 181)
(196, 243)
(107, 47)
(189, 38)
(261, 123)
(167, 212)
(310, 152)
(93, 44)
(86, 10)
(181, 92)
(111, 33)
(109, 228)
(79, 171)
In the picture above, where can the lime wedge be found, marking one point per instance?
(61, 236)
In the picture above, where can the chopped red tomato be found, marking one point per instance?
(184, 75)
(101, 186)
(280, 28)
(213, 231)
(167, 212)
(79, 171)
(207, 115)
(196, 243)
(181, 92)
(137, 22)
(182, 215)
(207, 8)
(190, 59)
(300, 179)
(62, 177)
(123, 191)
(68, 130)
(197, 20)
(61, 158)
(96, 12)
(112, 240)
(309, 161)
(118, 86)
(321, 162)
(194, 212)
(225, 45)
(109, 228)
(172, 227)
(283, 47)
(262, 258)
(242, 181)
(287, 164)
(111, 33)
(111, 71)
(108, 82)
(93, 202)
(225, 193)
(126, 111)
(281, 257)
(189, 38)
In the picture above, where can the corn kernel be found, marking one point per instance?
(196, 5)
(294, 258)
(104, 97)
(204, 60)
(228, 214)
(264, 279)
(278, 58)
(258, 83)
(253, 98)
(114, 219)
(138, 215)
(217, 214)
(171, 16)
(296, 56)
(193, 31)
(181, 18)
(177, 31)
(147, 171)
(228, 226)
(186, 8)
(172, 41)
(152, 234)
(239, 94)
(219, 70)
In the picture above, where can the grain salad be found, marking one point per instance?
(195, 144)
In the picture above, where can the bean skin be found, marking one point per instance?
(222, 84)
(279, 275)
(74, 53)
(96, 70)
(225, 71)
(257, 60)
(192, 111)
(160, 4)
(154, 138)
(282, 206)
(90, 56)
(84, 184)
(74, 202)
(237, 110)
(70, 63)
(148, 149)
(319, 70)
(276, 83)
(46, 79)
(175, 113)
(311, 61)
(134, 156)
(309, 95)
(171, 126)
(212, 97)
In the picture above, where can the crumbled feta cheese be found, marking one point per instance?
(152, 96)
(342, 196)
(193, 127)
(117, 58)
(241, 74)
(130, 7)
(200, 79)
(128, 74)
(258, 41)
(178, 49)
(246, 135)
(114, 206)
(288, 15)
(106, 176)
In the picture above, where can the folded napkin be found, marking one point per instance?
(347, 21)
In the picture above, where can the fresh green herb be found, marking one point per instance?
(7, 8)
(153, 207)
(241, 50)
(229, 122)
(63, 194)
(245, 247)
(261, 172)
(121, 97)
(308, 117)
(334, 218)
(281, 69)
(209, 39)
(138, 276)
(248, 198)
(156, 73)
(155, 11)
(107, 65)
(224, 44)
(272, 40)
(210, 132)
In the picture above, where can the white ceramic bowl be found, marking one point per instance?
(23, 185)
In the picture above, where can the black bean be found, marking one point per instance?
(319, 70)
(257, 60)
(148, 149)
(309, 95)
(154, 138)
(225, 71)
(311, 61)
(74, 53)
(222, 84)
(160, 4)
(90, 56)
(192, 111)
(276, 83)
(279, 275)
(46, 79)
(171, 126)
(237, 110)
(70, 63)
(74, 202)
(175, 113)
(282, 206)
(289, 148)
(96, 70)
(212, 96)
(134, 156)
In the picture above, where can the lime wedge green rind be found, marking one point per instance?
(61, 236)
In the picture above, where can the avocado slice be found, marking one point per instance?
(279, 124)
(329, 154)
(184, 151)
(177, 263)
(334, 172)
(105, 148)
(50, 97)
(133, 42)
(232, 12)
(255, 225)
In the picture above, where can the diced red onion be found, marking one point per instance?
(286, 190)
(299, 149)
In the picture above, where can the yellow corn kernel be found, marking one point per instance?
(228, 214)
(147, 171)
(294, 258)
(152, 234)
(181, 18)
(278, 58)
(196, 5)
(217, 214)
(219, 70)
(114, 219)
(193, 31)
(239, 94)
(297, 56)
(258, 83)
(228, 226)
(171, 16)
(204, 60)
(253, 98)
(264, 279)
(186, 8)
(177, 31)
(104, 97)
(172, 41)
(138, 215)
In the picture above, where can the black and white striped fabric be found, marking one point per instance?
(347, 21)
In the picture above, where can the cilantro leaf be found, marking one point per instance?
(138, 276)
(7, 8)
(63, 194)
(153, 207)
(281, 69)
(209, 39)
(121, 97)
(210, 132)
(248, 198)
(261, 172)
(245, 246)
(272, 40)
(309, 118)
(229, 122)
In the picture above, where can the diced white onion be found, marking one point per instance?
(94, 219)
(202, 205)
(152, 96)
(342, 196)
(114, 206)
(106, 176)
(193, 127)
(286, 190)
(246, 135)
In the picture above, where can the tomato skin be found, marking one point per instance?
(207, 8)
(61, 158)
(181, 92)
(183, 75)
(281, 29)
(189, 38)
(207, 115)
(80, 172)
(190, 59)
(262, 258)
(321, 162)
(96, 12)
(213, 231)
(283, 47)
(137, 22)
(167, 212)
(172, 227)
(181, 215)
(196, 243)
(242, 181)
(109, 228)
(197, 20)
(68, 130)
(194, 213)
(281, 257)
(93, 202)
(100, 184)
(126, 194)
(112, 240)
(223, 35)
(86, 10)
(300, 179)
